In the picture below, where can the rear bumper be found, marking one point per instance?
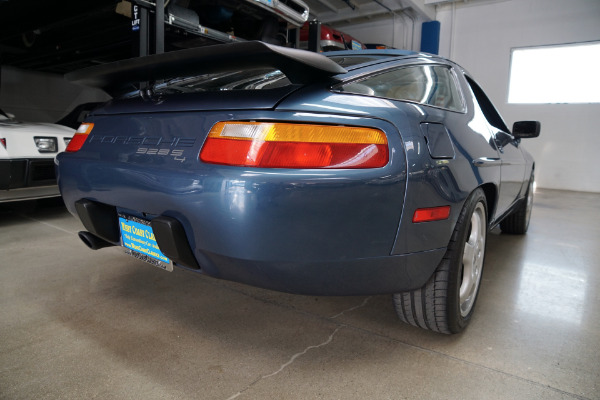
(367, 276)
(360, 276)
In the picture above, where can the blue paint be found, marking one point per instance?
(430, 37)
(313, 231)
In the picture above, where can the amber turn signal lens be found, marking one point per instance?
(80, 136)
(286, 145)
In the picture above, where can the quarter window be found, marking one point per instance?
(490, 112)
(432, 85)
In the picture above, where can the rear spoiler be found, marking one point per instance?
(299, 66)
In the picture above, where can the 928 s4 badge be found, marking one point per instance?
(177, 154)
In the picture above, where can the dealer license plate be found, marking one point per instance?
(138, 239)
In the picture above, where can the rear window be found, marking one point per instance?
(253, 79)
(433, 85)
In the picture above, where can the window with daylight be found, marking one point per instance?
(555, 74)
(433, 85)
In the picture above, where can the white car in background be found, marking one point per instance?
(27, 152)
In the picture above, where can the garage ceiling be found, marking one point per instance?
(63, 36)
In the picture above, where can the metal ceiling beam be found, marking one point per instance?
(426, 11)
(365, 10)
(417, 8)
(350, 4)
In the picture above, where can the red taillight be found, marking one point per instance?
(3, 141)
(80, 136)
(284, 145)
(431, 214)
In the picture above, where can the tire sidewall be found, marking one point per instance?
(528, 210)
(456, 322)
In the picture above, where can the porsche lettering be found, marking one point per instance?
(143, 140)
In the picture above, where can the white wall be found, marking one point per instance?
(479, 35)
(39, 97)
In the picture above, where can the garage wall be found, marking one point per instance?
(479, 35)
(38, 97)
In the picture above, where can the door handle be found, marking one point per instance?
(487, 162)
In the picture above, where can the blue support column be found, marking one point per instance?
(430, 37)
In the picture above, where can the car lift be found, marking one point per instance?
(142, 12)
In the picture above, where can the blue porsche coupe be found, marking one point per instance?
(350, 173)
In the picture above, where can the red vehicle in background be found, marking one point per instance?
(331, 39)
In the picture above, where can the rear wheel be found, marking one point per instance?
(518, 221)
(445, 304)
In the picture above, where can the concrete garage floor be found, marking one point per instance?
(82, 324)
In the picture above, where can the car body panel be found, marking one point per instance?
(315, 231)
(25, 172)
(243, 206)
(19, 137)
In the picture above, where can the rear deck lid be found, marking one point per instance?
(221, 77)
(163, 100)
(299, 66)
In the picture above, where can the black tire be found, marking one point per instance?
(439, 305)
(517, 222)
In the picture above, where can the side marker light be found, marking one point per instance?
(431, 214)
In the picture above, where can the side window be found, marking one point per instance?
(432, 85)
(489, 111)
